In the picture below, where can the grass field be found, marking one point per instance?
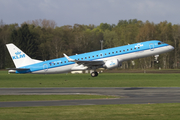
(170, 111)
(85, 80)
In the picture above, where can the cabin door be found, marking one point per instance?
(45, 67)
(151, 46)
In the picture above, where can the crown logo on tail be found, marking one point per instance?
(17, 53)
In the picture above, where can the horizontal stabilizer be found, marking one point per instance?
(19, 69)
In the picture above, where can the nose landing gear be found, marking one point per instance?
(156, 59)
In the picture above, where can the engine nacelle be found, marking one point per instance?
(112, 64)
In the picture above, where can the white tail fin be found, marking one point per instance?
(19, 58)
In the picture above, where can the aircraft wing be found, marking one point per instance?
(90, 63)
(85, 62)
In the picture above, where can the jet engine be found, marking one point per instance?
(112, 64)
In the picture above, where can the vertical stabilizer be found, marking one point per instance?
(19, 58)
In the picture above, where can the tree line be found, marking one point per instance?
(44, 40)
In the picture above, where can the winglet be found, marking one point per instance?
(69, 59)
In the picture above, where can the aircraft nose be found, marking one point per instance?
(171, 47)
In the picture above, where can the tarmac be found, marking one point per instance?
(126, 95)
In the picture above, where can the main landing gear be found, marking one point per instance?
(94, 74)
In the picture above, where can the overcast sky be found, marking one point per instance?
(70, 12)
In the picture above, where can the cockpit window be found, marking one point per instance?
(159, 43)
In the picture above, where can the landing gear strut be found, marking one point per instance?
(156, 59)
(94, 74)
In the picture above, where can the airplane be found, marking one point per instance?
(107, 58)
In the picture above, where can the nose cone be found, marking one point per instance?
(171, 47)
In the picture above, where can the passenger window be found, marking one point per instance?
(120, 51)
(64, 61)
(85, 57)
(127, 49)
(135, 48)
(82, 58)
(124, 50)
(109, 53)
(97, 55)
(131, 48)
(112, 52)
(116, 51)
(138, 47)
(105, 53)
(89, 56)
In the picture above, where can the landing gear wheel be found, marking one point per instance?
(94, 74)
(156, 62)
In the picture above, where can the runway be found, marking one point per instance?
(127, 96)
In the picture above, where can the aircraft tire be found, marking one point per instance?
(94, 74)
